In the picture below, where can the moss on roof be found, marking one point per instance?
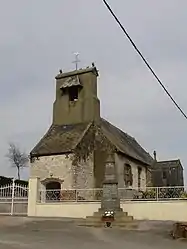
(60, 139)
(63, 139)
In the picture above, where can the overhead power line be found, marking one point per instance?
(143, 58)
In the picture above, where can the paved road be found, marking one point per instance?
(26, 233)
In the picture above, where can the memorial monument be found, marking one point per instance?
(110, 202)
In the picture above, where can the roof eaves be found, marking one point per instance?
(169, 161)
(77, 72)
(132, 157)
(50, 154)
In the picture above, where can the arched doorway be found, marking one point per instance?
(53, 185)
(52, 189)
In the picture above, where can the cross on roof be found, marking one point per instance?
(76, 61)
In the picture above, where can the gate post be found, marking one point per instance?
(34, 187)
(12, 202)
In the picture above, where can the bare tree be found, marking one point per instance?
(17, 158)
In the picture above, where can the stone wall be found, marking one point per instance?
(144, 210)
(120, 162)
(55, 166)
(61, 166)
(149, 178)
(83, 173)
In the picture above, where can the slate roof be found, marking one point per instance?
(125, 143)
(65, 138)
(60, 139)
(168, 164)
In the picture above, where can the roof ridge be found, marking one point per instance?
(118, 129)
(83, 133)
(172, 160)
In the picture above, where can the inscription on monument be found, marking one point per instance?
(110, 172)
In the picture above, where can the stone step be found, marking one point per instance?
(124, 219)
(117, 214)
(93, 219)
(121, 214)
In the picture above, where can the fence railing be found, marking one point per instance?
(125, 194)
(76, 195)
(153, 193)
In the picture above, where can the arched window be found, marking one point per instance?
(139, 176)
(128, 178)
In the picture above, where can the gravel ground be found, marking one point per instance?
(28, 233)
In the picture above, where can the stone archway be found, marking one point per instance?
(52, 189)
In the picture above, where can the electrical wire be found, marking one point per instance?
(143, 58)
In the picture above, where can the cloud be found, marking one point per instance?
(38, 38)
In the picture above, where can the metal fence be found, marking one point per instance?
(75, 195)
(153, 193)
(13, 199)
(125, 194)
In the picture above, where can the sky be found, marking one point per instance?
(38, 38)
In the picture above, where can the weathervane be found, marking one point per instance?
(76, 61)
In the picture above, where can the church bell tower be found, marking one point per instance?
(76, 97)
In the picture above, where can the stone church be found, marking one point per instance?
(73, 152)
(167, 173)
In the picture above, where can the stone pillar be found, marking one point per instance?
(42, 193)
(33, 196)
(110, 200)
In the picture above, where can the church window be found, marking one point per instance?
(73, 93)
(139, 176)
(128, 179)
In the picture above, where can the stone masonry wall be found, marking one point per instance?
(120, 162)
(61, 167)
(149, 178)
(83, 173)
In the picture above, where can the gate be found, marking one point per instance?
(13, 199)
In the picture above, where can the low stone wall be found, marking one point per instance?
(175, 210)
(70, 210)
(157, 210)
(171, 210)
